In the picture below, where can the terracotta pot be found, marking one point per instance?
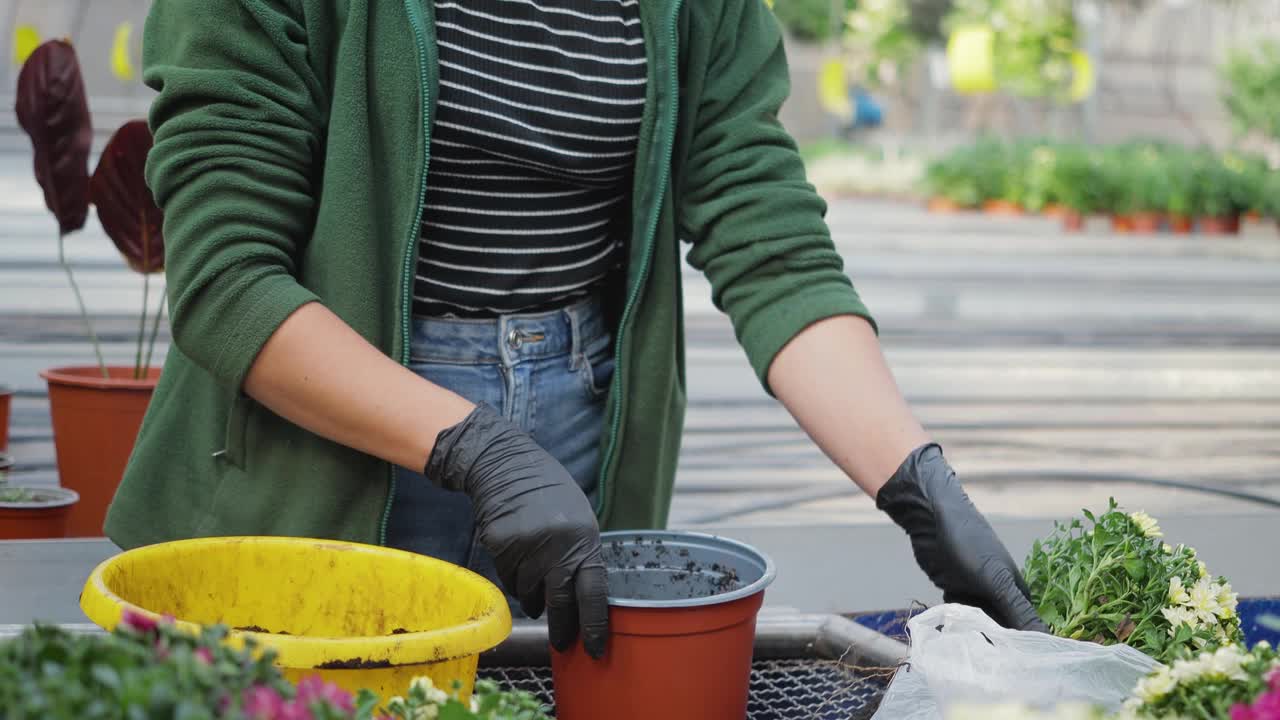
(95, 423)
(1121, 223)
(1253, 216)
(941, 204)
(1055, 210)
(44, 516)
(1072, 221)
(6, 398)
(682, 625)
(1001, 207)
(1180, 224)
(1146, 222)
(1219, 225)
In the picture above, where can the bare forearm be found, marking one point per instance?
(320, 374)
(834, 380)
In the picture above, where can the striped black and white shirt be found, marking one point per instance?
(532, 152)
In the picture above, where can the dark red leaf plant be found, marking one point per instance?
(54, 112)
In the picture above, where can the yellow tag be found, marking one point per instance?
(25, 41)
(971, 60)
(1082, 80)
(121, 62)
(833, 90)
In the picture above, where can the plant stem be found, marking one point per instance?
(155, 330)
(142, 326)
(84, 312)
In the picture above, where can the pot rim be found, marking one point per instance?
(56, 497)
(7, 390)
(667, 536)
(87, 376)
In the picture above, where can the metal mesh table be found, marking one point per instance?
(780, 689)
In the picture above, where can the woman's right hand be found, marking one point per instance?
(535, 521)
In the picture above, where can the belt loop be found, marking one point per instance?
(575, 340)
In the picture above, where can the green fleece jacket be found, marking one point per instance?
(292, 139)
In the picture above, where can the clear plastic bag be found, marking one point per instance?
(959, 656)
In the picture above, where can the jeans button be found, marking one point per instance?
(513, 339)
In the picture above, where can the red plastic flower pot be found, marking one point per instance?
(6, 398)
(95, 423)
(42, 514)
(1001, 207)
(941, 204)
(1121, 223)
(1220, 225)
(1146, 222)
(682, 618)
(1180, 224)
(1072, 221)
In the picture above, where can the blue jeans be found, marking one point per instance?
(548, 373)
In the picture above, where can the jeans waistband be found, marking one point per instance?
(509, 339)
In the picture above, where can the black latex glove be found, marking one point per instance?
(535, 521)
(952, 541)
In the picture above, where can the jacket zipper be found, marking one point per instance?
(673, 82)
(420, 38)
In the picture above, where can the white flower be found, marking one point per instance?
(1167, 548)
(1203, 601)
(1228, 662)
(1177, 593)
(1204, 571)
(397, 706)
(427, 712)
(1186, 671)
(1262, 644)
(1155, 686)
(1179, 615)
(1146, 524)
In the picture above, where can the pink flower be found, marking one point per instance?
(263, 703)
(1267, 707)
(204, 655)
(296, 710)
(313, 688)
(1274, 680)
(138, 621)
(1240, 711)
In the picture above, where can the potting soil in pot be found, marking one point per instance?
(647, 569)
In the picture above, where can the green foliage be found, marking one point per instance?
(1033, 42)
(1208, 685)
(1140, 176)
(49, 674)
(1251, 77)
(152, 671)
(1114, 581)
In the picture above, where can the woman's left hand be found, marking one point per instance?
(953, 543)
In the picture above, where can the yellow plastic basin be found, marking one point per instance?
(357, 615)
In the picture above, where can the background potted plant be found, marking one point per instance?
(1075, 185)
(999, 178)
(28, 513)
(1038, 161)
(1116, 192)
(96, 409)
(1180, 187)
(1214, 204)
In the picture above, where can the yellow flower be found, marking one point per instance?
(1177, 593)
(1146, 524)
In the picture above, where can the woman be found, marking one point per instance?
(424, 283)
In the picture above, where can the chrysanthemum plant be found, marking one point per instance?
(1114, 580)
